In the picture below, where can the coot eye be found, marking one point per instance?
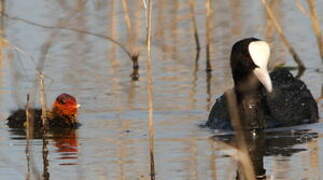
(61, 101)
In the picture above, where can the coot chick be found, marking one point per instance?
(263, 100)
(62, 115)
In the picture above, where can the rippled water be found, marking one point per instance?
(112, 142)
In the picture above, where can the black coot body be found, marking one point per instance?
(263, 101)
(290, 103)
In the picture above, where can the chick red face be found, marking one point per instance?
(65, 105)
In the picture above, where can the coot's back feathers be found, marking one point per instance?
(219, 115)
(291, 103)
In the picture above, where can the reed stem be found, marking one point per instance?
(131, 40)
(195, 30)
(278, 28)
(43, 101)
(150, 89)
(29, 134)
(316, 25)
(243, 154)
(209, 12)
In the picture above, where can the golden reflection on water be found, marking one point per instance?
(112, 142)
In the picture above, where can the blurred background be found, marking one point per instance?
(84, 48)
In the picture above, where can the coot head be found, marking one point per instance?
(65, 105)
(249, 59)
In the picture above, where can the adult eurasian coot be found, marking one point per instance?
(262, 100)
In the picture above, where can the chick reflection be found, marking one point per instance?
(260, 144)
(65, 140)
(67, 145)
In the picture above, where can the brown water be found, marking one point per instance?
(112, 142)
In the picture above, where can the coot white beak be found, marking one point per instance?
(263, 76)
(259, 52)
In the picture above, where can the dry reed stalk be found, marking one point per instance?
(40, 67)
(127, 18)
(148, 12)
(29, 121)
(321, 97)
(316, 25)
(160, 26)
(45, 174)
(2, 10)
(208, 90)
(301, 7)
(131, 40)
(193, 91)
(2, 35)
(174, 7)
(269, 32)
(209, 13)
(112, 50)
(242, 151)
(195, 30)
(212, 159)
(113, 33)
(278, 28)
(2, 5)
(43, 100)
(31, 170)
(313, 147)
(192, 163)
(137, 28)
(29, 135)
